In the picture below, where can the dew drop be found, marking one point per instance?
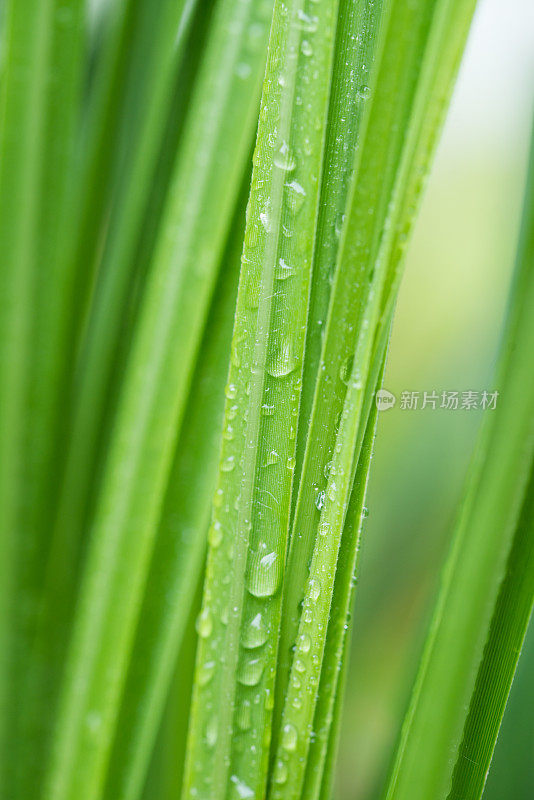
(271, 458)
(283, 270)
(327, 468)
(265, 216)
(319, 500)
(289, 737)
(205, 672)
(250, 671)
(282, 362)
(204, 623)
(306, 48)
(307, 615)
(304, 643)
(284, 159)
(243, 791)
(215, 534)
(306, 21)
(255, 633)
(300, 666)
(280, 772)
(230, 391)
(211, 732)
(364, 92)
(269, 700)
(267, 410)
(291, 463)
(295, 196)
(340, 219)
(288, 232)
(228, 464)
(264, 576)
(314, 589)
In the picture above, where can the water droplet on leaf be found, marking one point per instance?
(319, 500)
(284, 159)
(282, 362)
(283, 270)
(289, 737)
(280, 772)
(265, 573)
(271, 458)
(250, 671)
(314, 589)
(204, 623)
(242, 790)
(205, 672)
(228, 464)
(255, 633)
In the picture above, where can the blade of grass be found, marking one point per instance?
(180, 546)
(473, 578)
(323, 747)
(513, 607)
(166, 770)
(205, 185)
(407, 101)
(41, 74)
(129, 160)
(501, 655)
(512, 766)
(81, 436)
(357, 40)
(232, 705)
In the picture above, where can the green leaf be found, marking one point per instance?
(485, 599)
(408, 94)
(180, 546)
(323, 746)
(42, 51)
(205, 184)
(513, 606)
(232, 705)
(74, 391)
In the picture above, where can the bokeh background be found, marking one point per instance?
(445, 337)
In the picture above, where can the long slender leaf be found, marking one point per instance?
(181, 542)
(81, 431)
(232, 705)
(513, 607)
(42, 53)
(405, 111)
(472, 592)
(205, 184)
(501, 654)
(321, 759)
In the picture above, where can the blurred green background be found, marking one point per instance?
(445, 337)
